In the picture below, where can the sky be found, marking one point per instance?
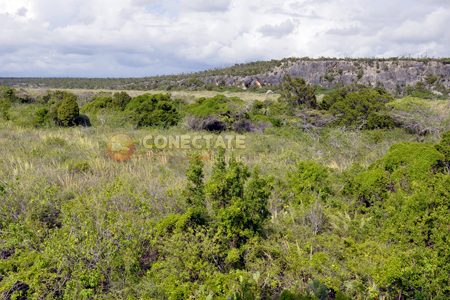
(133, 38)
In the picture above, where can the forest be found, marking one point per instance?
(337, 193)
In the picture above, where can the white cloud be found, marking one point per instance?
(145, 37)
(278, 30)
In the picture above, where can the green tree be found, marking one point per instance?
(296, 92)
(227, 181)
(5, 105)
(444, 148)
(309, 182)
(359, 107)
(153, 110)
(120, 100)
(68, 111)
(194, 193)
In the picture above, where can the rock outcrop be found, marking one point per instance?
(394, 75)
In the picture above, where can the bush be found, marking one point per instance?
(296, 92)
(8, 93)
(420, 116)
(309, 181)
(5, 105)
(120, 100)
(217, 106)
(99, 103)
(153, 110)
(444, 148)
(48, 215)
(410, 161)
(64, 109)
(41, 117)
(369, 186)
(359, 107)
(379, 121)
(218, 114)
(444, 145)
(68, 111)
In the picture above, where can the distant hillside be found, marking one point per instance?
(395, 74)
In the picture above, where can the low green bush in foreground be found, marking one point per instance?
(228, 231)
(308, 210)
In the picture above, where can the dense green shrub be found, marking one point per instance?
(413, 160)
(370, 186)
(296, 92)
(269, 111)
(64, 109)
(78, 167)
(7, 97)
(98, 103)
(41, 117)
(194, 193)
(359, 107)
(120, 100)
(219, 113)
(444, 145)
(404, 164)
(5, 105)
(379, 121)
(219, 105)
(153, 110)
(309, 181)
(67, 111)
(8, 93)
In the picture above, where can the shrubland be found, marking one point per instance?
(319, 205)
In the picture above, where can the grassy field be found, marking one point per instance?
(308, 212)
(185, 95)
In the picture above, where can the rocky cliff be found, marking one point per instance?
(394, 75)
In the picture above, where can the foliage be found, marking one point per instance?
(64, 109)
(67, 111)
(118, 101)
(420, 116)
(444, 145)
(8, 93)
(7, 97)
(404, 164)
(218, 113)
(98, 103)
(153, 110)
(419, 90)
(5, 105)
(41, 117)
(359, 107)
(219, 105)
(296, 92)
(316, 213)
(309, 182)
(195, 193)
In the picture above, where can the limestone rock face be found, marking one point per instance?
(393, 75)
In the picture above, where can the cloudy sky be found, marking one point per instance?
(147, 37)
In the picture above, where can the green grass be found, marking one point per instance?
(356, 213)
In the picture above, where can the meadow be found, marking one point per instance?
(317, 205)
